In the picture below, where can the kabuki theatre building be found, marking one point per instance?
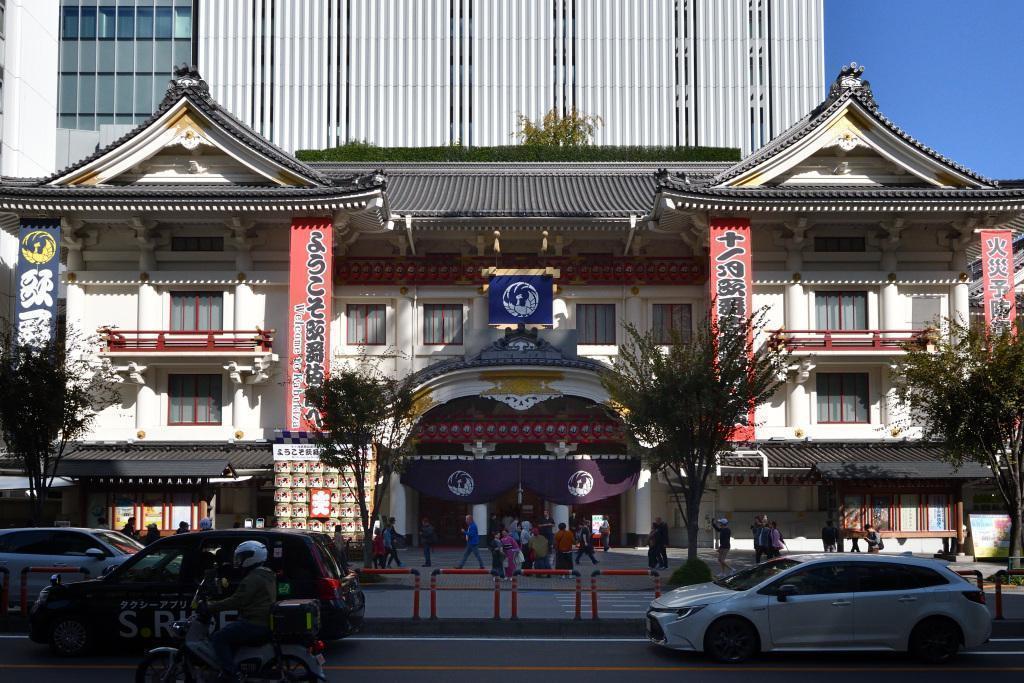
(224, 275)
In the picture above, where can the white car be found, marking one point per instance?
(825, 602)
(95, 549)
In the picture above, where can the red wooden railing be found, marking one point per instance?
(166, 341)
(847, 340)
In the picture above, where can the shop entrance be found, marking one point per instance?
(609, 509)
(508, 505)
(448, 518)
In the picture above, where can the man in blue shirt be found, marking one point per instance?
(472, 537)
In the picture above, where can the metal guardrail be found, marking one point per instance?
(1000, 575)
(620, 572)
(546, 572)
(48, 570)
(415, 573)
(464, 572)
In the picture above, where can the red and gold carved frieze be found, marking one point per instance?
(520, 431)
(455, 269)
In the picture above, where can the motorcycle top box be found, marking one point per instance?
(295, 619)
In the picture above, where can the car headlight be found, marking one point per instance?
(680, 612)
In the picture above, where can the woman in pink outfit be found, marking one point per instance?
(509, 545)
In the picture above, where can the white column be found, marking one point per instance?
(478, 313)
(397, 507)
(642, 504)
(634, 314)
(795, 310)
(796, 405)
(892, 316)
(480, 517)
(560, 514)
(150, 312)
(147, 406)
(243, 313)
(404, 339)
(239, 408)
(960, 305)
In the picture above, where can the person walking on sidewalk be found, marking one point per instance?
(539, 549)
(378, 549)
(472, 537)
(428, 537)
(512, 551)
(547, 530)
(606, 534)
(777, 541)
(497, 553)
(391, 541)
(563, 547)
(757, 531)
(661, 531)
(724, 542)
(873, 538)
(585, 539)
(829, 537)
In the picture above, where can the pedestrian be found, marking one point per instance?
(757, 531)
(182, 528)
(339, 546)
(129, 528)
(152, 534)
(724, 542)
(661, 529)
(873, 538)
(512, 552)
(472, 538)
(547, 530)
(205, 524)
(563, 547)
(379, 551)
(428, 537)
(652, 549)
(538, 551)
(497, 553)
(606, 534)
(524, 544)
(829, 537)
(391, 543)
(777, 541)
(585, 539)
(854, 542)
(493, 524)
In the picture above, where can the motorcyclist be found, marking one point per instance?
(253, 599)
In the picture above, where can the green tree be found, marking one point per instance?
(50, 394)
(368, 419)
(574, 129)
(681, 402)
(966, 390)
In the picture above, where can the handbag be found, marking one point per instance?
(519, 559)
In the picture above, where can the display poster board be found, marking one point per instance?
(990, 534)
(595, 524)
(938, 513)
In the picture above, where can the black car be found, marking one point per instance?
(136, 602)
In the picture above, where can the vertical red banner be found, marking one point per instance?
(731, 283)
(998, 279)
(309, 308)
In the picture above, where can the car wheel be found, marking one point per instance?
(731, 639)
(935, 640)
(69, 637)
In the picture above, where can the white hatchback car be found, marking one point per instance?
(825, 602)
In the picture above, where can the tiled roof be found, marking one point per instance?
(807, 454)
(901, 470)
(240, 456)
(679, 186)
(143, 468)
(12, 188)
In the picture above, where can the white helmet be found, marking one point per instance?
(250, 554)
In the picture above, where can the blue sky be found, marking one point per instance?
(949, 72)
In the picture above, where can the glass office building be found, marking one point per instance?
(116, 58)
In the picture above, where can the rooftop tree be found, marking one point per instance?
(368, 419)
(50, 395)
(681, 402)
(966, 390)
(573, 129)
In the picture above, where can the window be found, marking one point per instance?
(925, 311)
(34, 542)
(669, 317)
(74, 543)
(840, 244)
(595, 323)
(120, 542)
(69, 23)
(106, 23)
(366, 324)
(196, 311)
(182, 22)
(125, 23)
(157, 565)
(841, 310)
(164, 22)
(144, 22)
(817, 580)
(197, 243)
(194, 399)
(87, 25)
(842, 397)
(442, 323)
(897, 577)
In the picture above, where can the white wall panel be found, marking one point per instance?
(316, 73)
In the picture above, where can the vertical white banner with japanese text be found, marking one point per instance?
(997, 279)
(35, 314)
(731, 283)
(309, 310)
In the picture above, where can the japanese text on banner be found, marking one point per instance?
(35, 315)
(998, 279)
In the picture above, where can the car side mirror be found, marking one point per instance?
(784, 591)
(95, 553)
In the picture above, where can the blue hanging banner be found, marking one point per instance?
(523, 299)
(35, 316)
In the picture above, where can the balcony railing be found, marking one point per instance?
(848, 340)
(166, 341)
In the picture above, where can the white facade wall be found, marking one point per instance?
(311, 74)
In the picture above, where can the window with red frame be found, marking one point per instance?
(194, 399)
(197, 311)
(442, 323)
(595, 323)
(667, 318)
(843, 398)
(366, 324)
(841, 310)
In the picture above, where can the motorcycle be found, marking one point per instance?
(194, 660)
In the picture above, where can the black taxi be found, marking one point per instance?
(136, 603)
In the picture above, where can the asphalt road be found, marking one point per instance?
(454, 660)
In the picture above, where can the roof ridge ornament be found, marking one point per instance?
(187, 77)
(849, 81)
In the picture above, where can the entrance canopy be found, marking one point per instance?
(563, 481)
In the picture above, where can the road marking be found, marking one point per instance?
(731, 670)
(997, 654)
(1006, 640)
(10, 637)
(476, 639)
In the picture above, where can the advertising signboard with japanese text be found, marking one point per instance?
(309, 306)
(997, 279)
(990, 535)
(732, 285)
(35, 315)
(515, 299)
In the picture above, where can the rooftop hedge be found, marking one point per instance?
(361, 152)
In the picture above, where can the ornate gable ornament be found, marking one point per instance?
(849, 80)
(186, 78)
